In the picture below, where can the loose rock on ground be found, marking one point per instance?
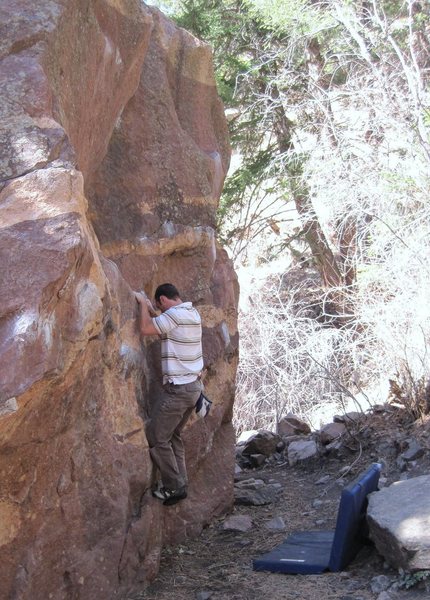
(219, 562)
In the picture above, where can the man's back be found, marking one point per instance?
(181, 343)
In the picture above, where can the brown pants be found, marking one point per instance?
(163, 431)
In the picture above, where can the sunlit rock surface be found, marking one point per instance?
(113, 152)
(399, 523)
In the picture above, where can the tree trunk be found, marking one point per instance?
(324, 258)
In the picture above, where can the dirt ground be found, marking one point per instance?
(218, 565)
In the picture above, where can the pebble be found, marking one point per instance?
(237, 523)
(322, 480)
(354, 586)
(380, 583)
(275, 524)
(251, 484)
(244, 543)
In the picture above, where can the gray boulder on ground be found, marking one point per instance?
(257, 460)
(331, 432)
(254, 492)
(380, 583)
(263, 442)
(287, 439)
(292, 425)
(250, 484)
(241, 523)
(413, 451)
(275, 524)
(349, 418)
(337, 448)
(302, 451)
(399, 523)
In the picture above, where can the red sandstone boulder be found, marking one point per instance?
(113, 151)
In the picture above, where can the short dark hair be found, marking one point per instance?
(168, 290)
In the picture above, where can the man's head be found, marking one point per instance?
(166, 295)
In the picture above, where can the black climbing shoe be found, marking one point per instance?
(170, 497)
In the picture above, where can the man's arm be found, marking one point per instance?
(147, 327)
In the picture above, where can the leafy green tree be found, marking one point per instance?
(290, 72)
(251, 54)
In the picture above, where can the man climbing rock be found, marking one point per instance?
(180, 329)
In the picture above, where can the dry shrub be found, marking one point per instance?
(292, 361)
(289, 362)
(366, 173)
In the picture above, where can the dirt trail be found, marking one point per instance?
(218, 565)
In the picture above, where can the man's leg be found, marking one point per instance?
(170, 413)
(178, 446)
(193, 390)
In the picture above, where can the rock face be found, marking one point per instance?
(399, 523)
(113, 154)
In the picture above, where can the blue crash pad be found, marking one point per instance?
(318, 551)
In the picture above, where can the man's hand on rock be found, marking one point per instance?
(141, 297)
(144, 301)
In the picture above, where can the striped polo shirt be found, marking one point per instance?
(180, 328)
